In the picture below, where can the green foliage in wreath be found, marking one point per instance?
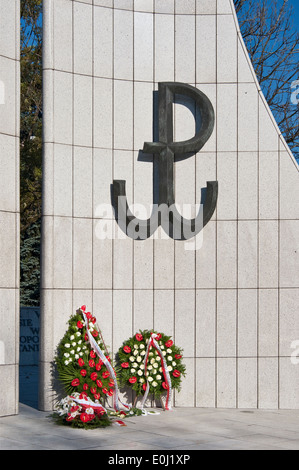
(130, 364)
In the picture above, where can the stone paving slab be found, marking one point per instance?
(181, 429)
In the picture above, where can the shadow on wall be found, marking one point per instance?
(29, 355)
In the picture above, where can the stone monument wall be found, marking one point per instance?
(231, 304)
(9, 205)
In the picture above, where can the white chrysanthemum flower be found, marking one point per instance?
(66, 355)
(158, 358)
(169, 358)
(72, 337)
(164, 353)
(67, 345)
(151, 353)
(142, 353)
(139, 359)
(158, 377)
(142, 346)
(132, 359)
(78, 334)
(72, 351)
(80, 342)
(77, 356)
(156, 365)
(150, 379)
(78, 349)
(136, 346)
(152, 360)
(89, 411)
(135, 352)
(160, 369)
(140, 372)
(74, 343)
(174, 363)
(169, 368)
(149, 367)
(141, 366)
(161, 347)
(133, 370)
(169, 350)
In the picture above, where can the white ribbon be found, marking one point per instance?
(104, 359)
(153, 342)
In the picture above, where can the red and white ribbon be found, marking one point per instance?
(88, 403)
(107, 363)
(154, 343)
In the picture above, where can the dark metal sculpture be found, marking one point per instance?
(165, 151)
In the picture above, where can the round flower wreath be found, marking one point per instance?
(82, 373)
(132, 363)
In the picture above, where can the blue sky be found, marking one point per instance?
(295, 4)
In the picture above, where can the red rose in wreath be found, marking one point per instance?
(132, 380)
(94, 376)
(105, 374)
(169, 343)
(75, 382)
(127, 349)
(84, 417)
(125, 365)
(79, 324)
(176, 373)
(139, 337)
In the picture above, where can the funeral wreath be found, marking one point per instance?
(150, 363)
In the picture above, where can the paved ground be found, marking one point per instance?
(183, 429)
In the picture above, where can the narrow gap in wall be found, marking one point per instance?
(30, 197)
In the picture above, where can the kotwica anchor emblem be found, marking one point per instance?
(165, 212)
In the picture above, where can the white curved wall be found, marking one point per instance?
(232, 304)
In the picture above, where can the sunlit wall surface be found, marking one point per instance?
(231, 302)
(9, 205)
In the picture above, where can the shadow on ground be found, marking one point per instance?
(28, 388)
